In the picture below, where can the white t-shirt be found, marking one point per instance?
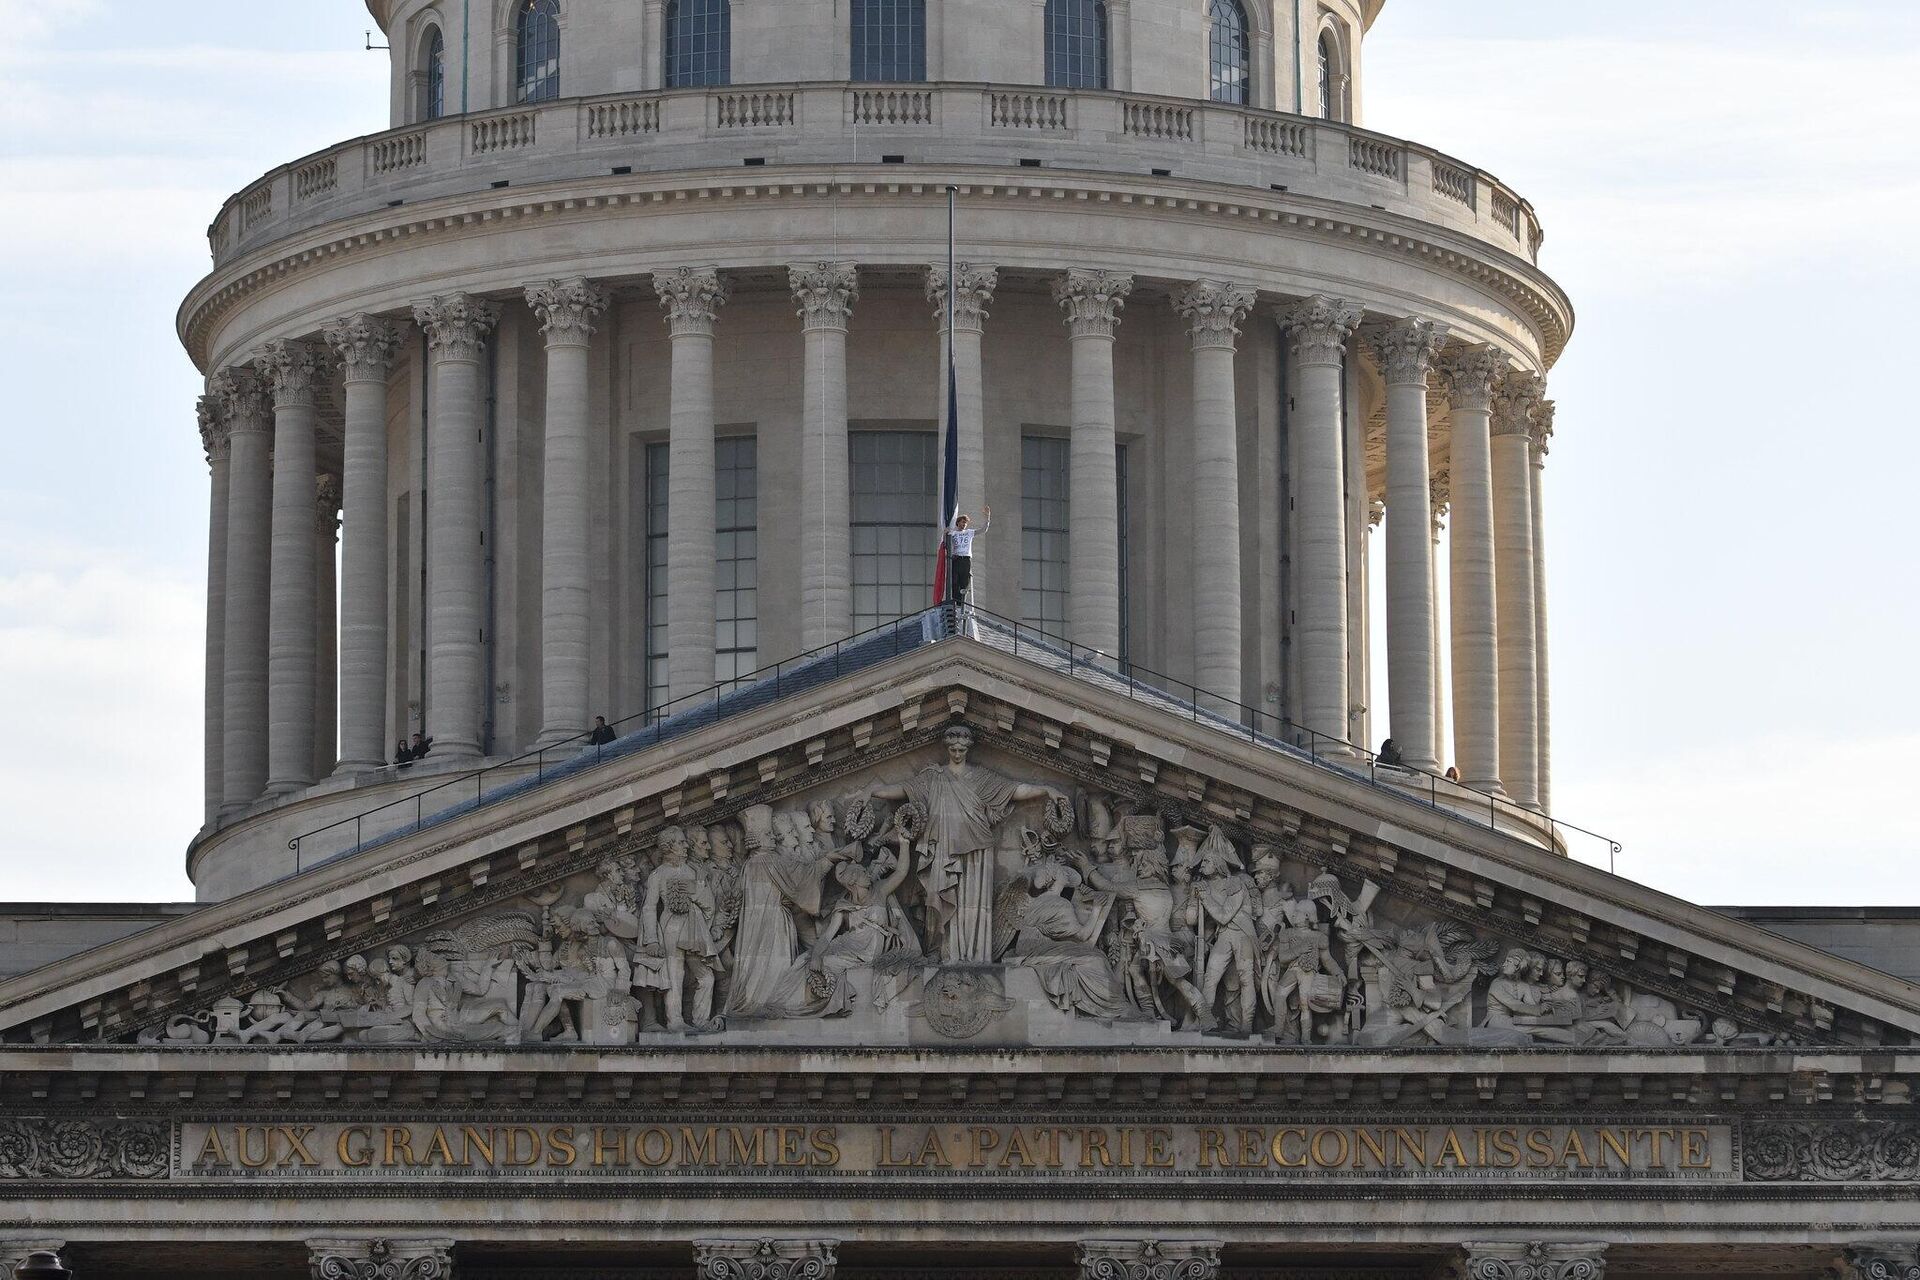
(963, 538)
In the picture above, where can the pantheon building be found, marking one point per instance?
(1086, 930)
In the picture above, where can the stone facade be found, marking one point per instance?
(1084, 940)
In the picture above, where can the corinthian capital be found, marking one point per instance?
(1092, 300)
(764, 1259)
(825, 291)
(243, 397)
(1406, 349)
(1878, 1262)
(567, 309)
(1320, 327)
(1542, 431)
(293, 368)
(691, 297)
(456, 325)
(380, 1259)
(971, 301)
(1470, 373)
(1213, 310)
(364, 344)
(213, 425)
(1535, 1261)
(1149, 1259)
(1515, 397)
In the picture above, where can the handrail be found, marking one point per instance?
(1337, 751)
(1139, 683)
(650, 717)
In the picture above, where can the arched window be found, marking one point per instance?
(1329, 68)
(536, 43)
(699, 42)
(1229, 59)
(889, 40)
(434, 91)
(1077, 44)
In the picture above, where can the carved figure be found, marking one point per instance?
(777, 882)
(1296, 963)
(458, 1009)
(1223, 906)
(1055, 939)
(963, 803)
(865, 929)
(1147, 952)
(676, 924)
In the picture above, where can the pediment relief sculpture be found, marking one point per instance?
(941, 898)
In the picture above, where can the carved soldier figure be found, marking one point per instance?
(1295, 955)
(963, 803)
(1223, 905)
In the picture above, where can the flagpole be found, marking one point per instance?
(953, 372)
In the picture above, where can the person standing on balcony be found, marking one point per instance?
(962, 533)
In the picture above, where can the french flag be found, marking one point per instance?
(949, 484)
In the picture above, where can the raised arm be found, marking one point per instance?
(1037, 791)
(888, 791)
(898, 876)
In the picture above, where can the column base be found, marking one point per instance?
(1490, 787)
(350, 768)
(287, 787)
(559, 738)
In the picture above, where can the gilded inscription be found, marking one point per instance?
(1255, 1150)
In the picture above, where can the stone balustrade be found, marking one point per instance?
(740, 126)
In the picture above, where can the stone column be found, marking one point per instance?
(825, 292)
(765, 1258)
(243, 715)
(1213, 310)
(692, 298)
(1320, 327)
(293, 369)
(365, 346)
(380, 1259)
(326, 650)
(213, 437)
(1406, 351)
(1877, 1262)
(1439, 482)
(1513, 404)
(1473, 631)
(970, 304)
(1542, 433)
(567, 311)
(456, 326)
(1093, 300)
(1533, 1261)
(1149, 1259)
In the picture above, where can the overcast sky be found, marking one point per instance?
(1730, 195)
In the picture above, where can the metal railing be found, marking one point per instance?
(1265, 728)
(647, 728)
(727, 698)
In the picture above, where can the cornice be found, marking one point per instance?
(1535, 297)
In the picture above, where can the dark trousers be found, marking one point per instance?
(960, 579)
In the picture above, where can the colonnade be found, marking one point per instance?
(268, 715)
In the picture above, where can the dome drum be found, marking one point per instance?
(772, 126)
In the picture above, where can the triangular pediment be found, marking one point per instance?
(792, 875)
